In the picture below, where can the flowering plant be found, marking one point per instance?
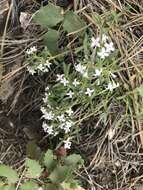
(77, 88)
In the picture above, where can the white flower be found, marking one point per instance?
(64, 81)
(31, 50)
(48, 129)
(48, 64)
(43, 110)
(47, 88)
(67, 144)
(59, 77)
(70, 94)
(48, 115)
(75, 82)
(102, 53)
(31, 70)
(89, 91)
(109, 47)
(45, 99)
(112, 86)
(69, 112)
(80, 68)
(66, 126)
(41, 67)
(61, 118)
(113, 75)
(104, 37)
(95, 42)
(97, 72)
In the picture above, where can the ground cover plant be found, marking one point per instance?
(72, 82)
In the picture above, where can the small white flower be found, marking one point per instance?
(67, 144)
(95, 42)
(61, 118)
(47, 88)
(59, 77)
(31, 50)
(70, 94)
(41, 67)
(31, 70)
(97, 72)
(75, 82)
(80, 68)
(48, 64)
(102, 53)
(64, 81)
(69, 112)
(43, 110)
(45, 99)
(89, 91)
(113, 75)
(48, 115)
(109, 47)
(104, 37)
(48, 129)
(112, 86)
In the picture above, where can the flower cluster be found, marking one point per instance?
(31, 51)
(105, 46)
(80, 86)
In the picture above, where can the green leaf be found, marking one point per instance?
(49, 161)
(73, 160)
(72, 23)
(9, 173)
(49, 16)
(7, 187)
(34, 168)
(29, 185)
(60, 174)
(51, 41)
(140, 90)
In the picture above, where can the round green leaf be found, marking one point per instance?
(48, 16)
(9, 173)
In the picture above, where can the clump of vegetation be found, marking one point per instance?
(51, 172)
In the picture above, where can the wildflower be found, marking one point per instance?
(48, 64)
(104, 37)
(75, 82)
(80, 68)
(41, 67)
(31, 50)
(109, 47)
(102, 54)
(113, 75)
(70, 94)
(97, 72)
(31, 70)
(59, 77)
(95, 42)
(61, 118)
(47, 88)
(48, 129)
(112, 86)
(45, 99)
(67, 144)
(89, 91)
(69, 112)
(43, 110)
(64, 81)
(48, 115)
